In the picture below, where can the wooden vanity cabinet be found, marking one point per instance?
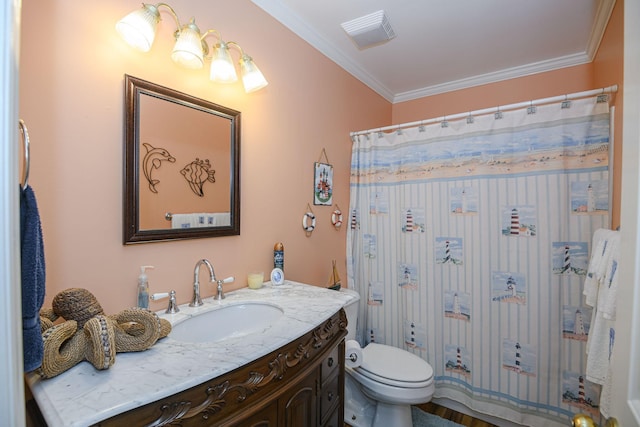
(300, 384)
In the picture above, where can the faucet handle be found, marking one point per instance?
(172, 308)
(220, 295)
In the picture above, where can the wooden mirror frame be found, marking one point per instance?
(134, 87)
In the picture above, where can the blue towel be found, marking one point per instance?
(33, 279)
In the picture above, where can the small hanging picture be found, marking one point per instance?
(323, 184)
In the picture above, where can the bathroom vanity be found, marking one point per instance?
(289, 374)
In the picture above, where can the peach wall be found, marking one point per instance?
(605, 70)
(71, 96)
(608, 70)
(536, 86)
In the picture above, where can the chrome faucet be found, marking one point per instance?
(172, 308)
(196, 301)
(220, 295)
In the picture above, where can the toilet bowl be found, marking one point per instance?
(386, 381)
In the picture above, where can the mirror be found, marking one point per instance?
(181, 165)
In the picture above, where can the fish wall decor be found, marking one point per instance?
(197, 173)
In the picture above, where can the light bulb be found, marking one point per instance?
(188, 48)
(138, 28)
(252, 78)
(222, 69)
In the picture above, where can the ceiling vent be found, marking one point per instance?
(369, 30)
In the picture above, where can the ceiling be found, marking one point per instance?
(444, 45)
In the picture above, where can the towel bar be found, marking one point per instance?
(27, 162)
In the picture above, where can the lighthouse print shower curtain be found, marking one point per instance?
(469, 242)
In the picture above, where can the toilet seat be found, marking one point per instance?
(395, 367)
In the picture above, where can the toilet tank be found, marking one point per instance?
(351, 309)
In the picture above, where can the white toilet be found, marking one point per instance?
(380, 392)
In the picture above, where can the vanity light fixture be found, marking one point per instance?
(139, 27)
(252, 78)
(189, 50)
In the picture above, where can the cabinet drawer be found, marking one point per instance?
(331, 363)
(330, 397)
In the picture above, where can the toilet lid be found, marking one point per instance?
(394, 364)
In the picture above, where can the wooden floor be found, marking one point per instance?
(451, 415)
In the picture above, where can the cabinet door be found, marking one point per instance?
(299, 405)
(268, 417)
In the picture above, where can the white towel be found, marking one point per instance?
(200, 219)
(221, 218)
(597, 264)
(605, 395)
(183, 221)
(607, 295)
(600, 290)
(599, 347)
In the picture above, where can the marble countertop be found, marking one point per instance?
(84, 395)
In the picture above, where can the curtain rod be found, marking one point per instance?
(568, 97)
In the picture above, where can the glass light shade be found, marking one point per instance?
(188, 48)
(252, 78)
(222, 68)
(138, 28)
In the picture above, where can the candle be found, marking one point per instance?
(255, 280)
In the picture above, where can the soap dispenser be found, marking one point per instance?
(143, 287)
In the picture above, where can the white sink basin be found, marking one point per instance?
(226, 322)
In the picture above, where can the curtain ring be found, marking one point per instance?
(470, 118)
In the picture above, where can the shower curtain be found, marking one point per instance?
(469, 242)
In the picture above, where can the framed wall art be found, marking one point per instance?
(323, 183)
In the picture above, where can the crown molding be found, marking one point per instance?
(605, 8)
(295, 23)
(506, 74)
